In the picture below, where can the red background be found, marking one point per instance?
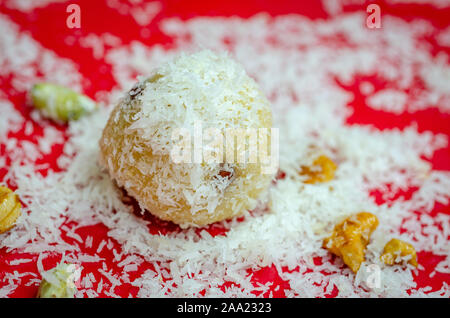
(47, 26)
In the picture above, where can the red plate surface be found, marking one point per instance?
(45, 24)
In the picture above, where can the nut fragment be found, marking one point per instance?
(322, 170)
(60, 103)
(396, 251)
(10, 209)
(350, 238)
(59, 282)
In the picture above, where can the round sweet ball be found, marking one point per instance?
(192, 142)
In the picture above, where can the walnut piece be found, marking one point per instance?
(10, 209)
(396, 251)
(322, 170)
(350, 238)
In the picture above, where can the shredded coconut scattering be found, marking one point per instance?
(302, 66)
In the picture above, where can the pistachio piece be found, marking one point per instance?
(58, 282)
(60, 103)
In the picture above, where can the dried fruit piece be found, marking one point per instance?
(350, 238)
(396, 251)
(225, 174)
(60, 103)
(59, 282)
(140, 86)
(322, 170)
(10, 209)
(224, 177)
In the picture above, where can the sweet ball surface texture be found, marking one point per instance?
(192, 93)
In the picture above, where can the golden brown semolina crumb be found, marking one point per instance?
(322, 170)
(350, 238)
(395, 251)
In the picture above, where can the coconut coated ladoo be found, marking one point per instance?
(189, 95)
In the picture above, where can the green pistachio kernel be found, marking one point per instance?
(60, 103)
(59, 282)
